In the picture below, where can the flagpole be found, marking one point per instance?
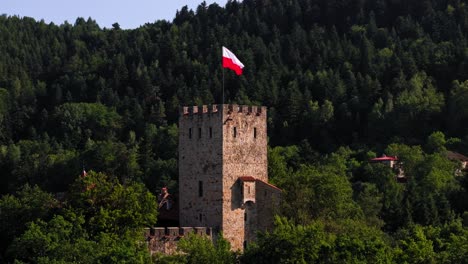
(230, 61)
(222, 54)
(222, 102)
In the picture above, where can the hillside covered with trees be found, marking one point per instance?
(344, 81)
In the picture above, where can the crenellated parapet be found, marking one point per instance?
(198, 110)
(225, 108)
(244, 109)
(174, 232)
(165, 239)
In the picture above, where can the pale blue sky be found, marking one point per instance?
(129, 14)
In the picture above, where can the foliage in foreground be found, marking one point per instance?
(197, 249)
(355, 242)
(321, 242)
(99, 221)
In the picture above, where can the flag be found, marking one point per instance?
(230, 61)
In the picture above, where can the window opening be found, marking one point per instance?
(200, 189)
(199, 132)
(211, 132)
(255, 132)
(190, 133)
(235, 131)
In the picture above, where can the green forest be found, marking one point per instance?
(344, 82)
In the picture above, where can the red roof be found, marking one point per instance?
(271, 185)
(247, 178)
(385, 158)
(250, 178)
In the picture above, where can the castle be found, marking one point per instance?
(223, 171)
(223, 174)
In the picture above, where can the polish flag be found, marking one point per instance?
(230, 61)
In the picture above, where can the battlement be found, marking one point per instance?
(225, 108)
(165, 239)
(197, 110)
(176, 232)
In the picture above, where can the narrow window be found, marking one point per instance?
(200, 217)
(245, 244)
(245, 217)
(211, 132)
(235, 132)
(248, 189)
(199, 132)
(190, 133)
(255, 132)
(200, 189)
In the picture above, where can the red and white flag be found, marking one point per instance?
(230, 61)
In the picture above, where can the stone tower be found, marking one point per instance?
(223, 171)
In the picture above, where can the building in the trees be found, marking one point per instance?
(223, 171)
(394, 163)
(460, 159)
(388, 160)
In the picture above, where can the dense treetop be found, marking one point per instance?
(343, 81)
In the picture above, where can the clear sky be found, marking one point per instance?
(128, 13)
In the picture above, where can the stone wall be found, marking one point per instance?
(200, 166)
(164, 239)
(218, 145)
(248, 191)
(244, 154)
(267, 204)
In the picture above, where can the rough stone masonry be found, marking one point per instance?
(223, 171)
